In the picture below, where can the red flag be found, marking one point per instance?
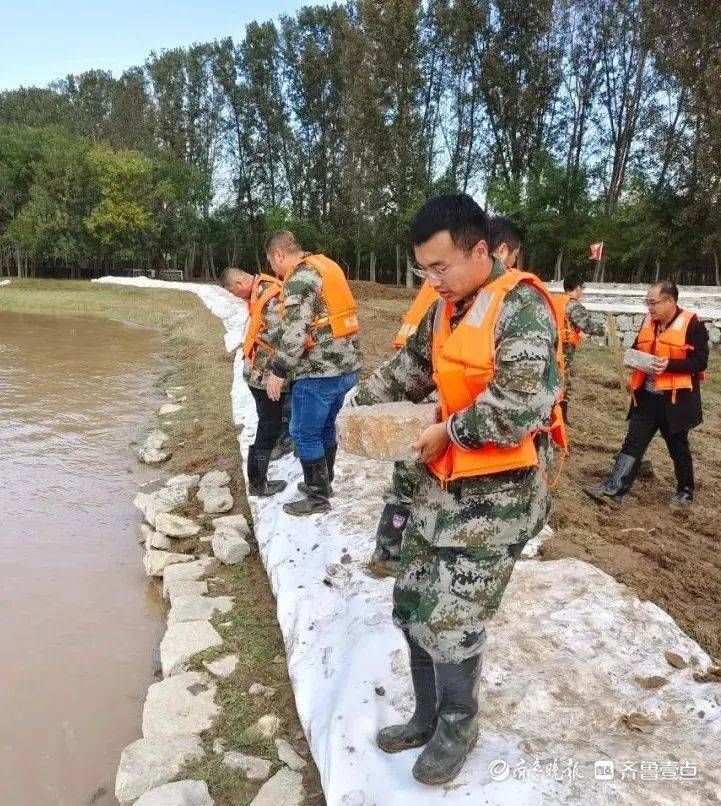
(595, 251)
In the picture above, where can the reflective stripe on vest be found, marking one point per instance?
(464, 363)
(256, 308)
(423, 301)
(670, 344)
(342, 315)
(570, 334)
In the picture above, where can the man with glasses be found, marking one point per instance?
(489, 346)
(667, 399)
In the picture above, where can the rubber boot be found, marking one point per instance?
(330, 462)
(564, 410)
(316, 481)
(284, 445)
(258, 475)
(619, 482)
(421, 726)
(457, 730)
(389, 534)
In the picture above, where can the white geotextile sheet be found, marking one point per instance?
(560, 671)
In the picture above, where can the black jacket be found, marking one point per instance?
(685, 413)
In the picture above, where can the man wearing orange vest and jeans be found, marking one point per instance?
(575, 320)
(490, 347)
(317, 349)
(262, 295)
(505, 244)
(666, 400)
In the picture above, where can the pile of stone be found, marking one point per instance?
(152, 450)
(384, 431)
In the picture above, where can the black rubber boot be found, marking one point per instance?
(389, 534)
(330, 462)
(283, 447)
(258, 475)
(564, 410)
(457, 730)
(318, 486)
(421, 726)
(619, 482)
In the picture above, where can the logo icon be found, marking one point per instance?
(398, 521)
(603, 770)
(499, 770)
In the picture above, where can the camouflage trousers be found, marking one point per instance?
(445, 596)
(568, 355)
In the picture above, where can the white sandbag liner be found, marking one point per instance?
(566, 716)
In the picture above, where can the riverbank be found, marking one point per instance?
(202, 437)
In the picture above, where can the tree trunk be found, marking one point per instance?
(716, 268)
(372, 267)
(658, 269)
(398, 264)
(409, 271)
(357, 263)
(559, 265)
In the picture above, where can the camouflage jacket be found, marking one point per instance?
(500, 509)
(256, 373)
(329, 357)
(583, 319)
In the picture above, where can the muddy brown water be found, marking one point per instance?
(78, 621)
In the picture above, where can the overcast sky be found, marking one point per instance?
(43, 40)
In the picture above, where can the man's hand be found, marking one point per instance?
(432, 443)
(274, 386)
(659, 365)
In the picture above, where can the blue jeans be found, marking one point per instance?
(314, 408)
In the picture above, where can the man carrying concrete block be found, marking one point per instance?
(490, 345)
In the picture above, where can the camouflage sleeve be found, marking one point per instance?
(300, 295)
(583, 319)
(408, 375)
(520, 398)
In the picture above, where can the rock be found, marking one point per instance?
(183, 480)
(190, 572)
(186, 587)
(198, 608)
(184, 545)
(675, 660)
(285, 788)
(148, 763)
(179, 793)
(628, 338)
(265, 729)
(714, 334)
(258, 689)
(164, 500)
(182, 641)
(169, 408)
(153, 456)
(229, 546)
(215, 478)
(175, 525)
(180, 706)
(238, 522)
(254, 768)
(223, 667)
(144, 533)
(217, 499)
(288, 756)
(384, 431)
(624, 322)
(219, 747)
(156, 561)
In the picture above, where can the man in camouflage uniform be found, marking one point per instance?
(578, 319)
(321, 374)
(463, 537)
(255, 372)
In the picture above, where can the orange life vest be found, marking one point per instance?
(423, 301)
(570, 334)
(670, 344)
(256, 308)
(464, 363)
(338, 298)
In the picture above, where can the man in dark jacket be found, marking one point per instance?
(668, 399)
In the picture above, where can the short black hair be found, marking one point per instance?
(283, 239)
(667, 288)
(458, 214)
(503, 230)
(572, 281)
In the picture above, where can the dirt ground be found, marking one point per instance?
(670, 559)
